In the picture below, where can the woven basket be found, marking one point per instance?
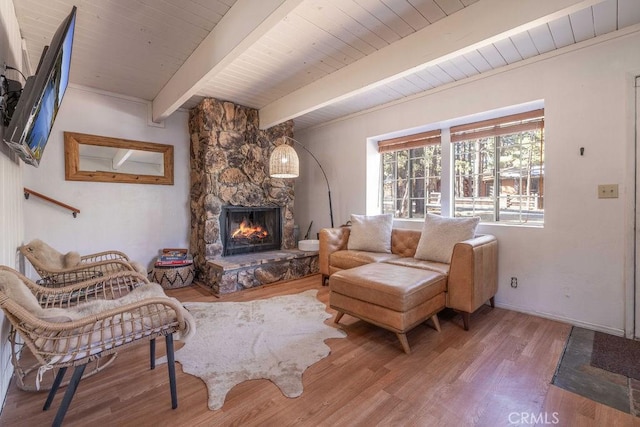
(171, 277)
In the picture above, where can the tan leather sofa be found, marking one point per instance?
(471, 277)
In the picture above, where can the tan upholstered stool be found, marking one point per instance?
(392, 297)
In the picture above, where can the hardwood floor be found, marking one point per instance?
(496, 374)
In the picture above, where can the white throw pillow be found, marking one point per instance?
(371, 233)
(440, 234)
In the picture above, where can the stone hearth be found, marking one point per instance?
(237, 272)
(229, 166)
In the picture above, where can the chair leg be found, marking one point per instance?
(54, 388)
(152, 353)
(172, 371)
(68, 395)
(492, 301)
(339, 315)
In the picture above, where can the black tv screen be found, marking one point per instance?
(33, 118)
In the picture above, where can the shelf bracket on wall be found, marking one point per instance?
(28, 192)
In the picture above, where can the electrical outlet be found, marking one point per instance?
(514, 282)
(608, 191)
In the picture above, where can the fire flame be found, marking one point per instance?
(247, 230)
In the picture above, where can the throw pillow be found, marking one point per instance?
(371, 233)
(440, 234)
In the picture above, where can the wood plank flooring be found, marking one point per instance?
(496, 374)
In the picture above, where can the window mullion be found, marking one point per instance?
(526, 193)
(426, 172)
(396, 193)
(446, 174)
(496, 178)
(410, 183)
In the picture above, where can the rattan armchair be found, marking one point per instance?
(75, 330)
(106, 287)
(57, 269)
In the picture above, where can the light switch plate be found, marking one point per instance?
(608, 191)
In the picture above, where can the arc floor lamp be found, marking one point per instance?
(284, 163)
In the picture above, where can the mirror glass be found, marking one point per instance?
(111, 159)
(98, 158)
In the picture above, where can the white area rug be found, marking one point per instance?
(276, 339)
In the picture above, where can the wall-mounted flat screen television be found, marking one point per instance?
(32, 120)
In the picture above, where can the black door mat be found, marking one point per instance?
(575, 373)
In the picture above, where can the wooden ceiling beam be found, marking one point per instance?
(480, 24)
(241, 27)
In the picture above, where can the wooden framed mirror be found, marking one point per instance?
(103, 159)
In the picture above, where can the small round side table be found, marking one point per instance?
(172, 276)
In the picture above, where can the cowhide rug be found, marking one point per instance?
(276, 339)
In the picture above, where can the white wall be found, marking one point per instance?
(575, 268)
(137, 219)
(11, 230)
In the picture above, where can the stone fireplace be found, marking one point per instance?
(230, 172)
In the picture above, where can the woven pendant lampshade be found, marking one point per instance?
(284, 163)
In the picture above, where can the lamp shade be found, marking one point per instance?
(284, 163)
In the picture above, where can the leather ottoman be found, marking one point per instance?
(393, 297)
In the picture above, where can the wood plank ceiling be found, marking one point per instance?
(310, 60)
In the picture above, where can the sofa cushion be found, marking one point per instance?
(440, 234)
(404, 241)
(351, 259)
(371, 233)
(438, 267)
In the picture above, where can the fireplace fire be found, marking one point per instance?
(247, 230)
(250, 229)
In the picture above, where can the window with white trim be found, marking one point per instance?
(497, 171)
